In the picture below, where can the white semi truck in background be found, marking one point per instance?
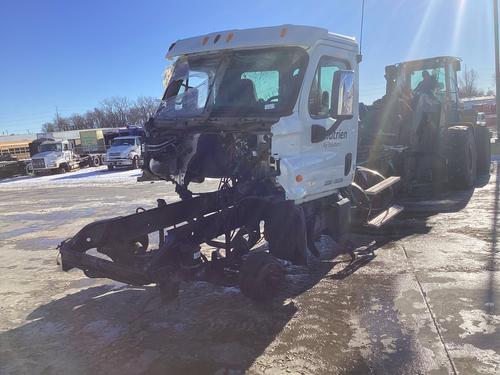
(54, 156)
(63, 155)
(124, 152)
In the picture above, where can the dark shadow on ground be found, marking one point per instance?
(93, 173)
(193, 335)
(15, 179)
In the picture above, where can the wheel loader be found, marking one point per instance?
(424, 136)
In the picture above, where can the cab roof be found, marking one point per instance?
(284, 35)
(430, 61)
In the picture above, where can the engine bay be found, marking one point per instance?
(183, 157)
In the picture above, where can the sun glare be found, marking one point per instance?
(424, 25)
(456, 9)
(459, 21)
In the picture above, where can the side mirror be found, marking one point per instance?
(342, 104)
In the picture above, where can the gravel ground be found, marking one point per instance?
(422, 298)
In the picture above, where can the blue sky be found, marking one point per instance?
(73, 54)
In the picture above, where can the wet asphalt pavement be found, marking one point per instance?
(423, 297)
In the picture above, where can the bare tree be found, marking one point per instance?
(468, 84)
(77, 122)
(61, 123)
(98, 118)
(112, 113)
(48, 127)
(116, 110)
(146, 106)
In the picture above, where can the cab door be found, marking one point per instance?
(67, 152)
(328, 164)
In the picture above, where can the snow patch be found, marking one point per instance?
(104, 331)
(86, 176)
(478, 321)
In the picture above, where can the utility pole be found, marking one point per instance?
(497, 66)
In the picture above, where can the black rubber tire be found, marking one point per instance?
(461, 155)
(135, 162)
(261, 276)
(110, 167)
(63, 168)
(483, 147)
(29, 169)
(94, 161)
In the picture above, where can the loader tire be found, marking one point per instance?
(461, 157)
(261, 276)
(483, 147)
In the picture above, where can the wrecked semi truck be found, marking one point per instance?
(273, 113)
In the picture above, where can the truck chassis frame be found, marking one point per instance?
(182, 227)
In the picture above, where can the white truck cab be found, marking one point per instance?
(288, 77)
(124, 151)
(53, 156)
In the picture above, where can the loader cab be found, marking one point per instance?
(406, 76)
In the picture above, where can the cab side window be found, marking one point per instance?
(321, 89)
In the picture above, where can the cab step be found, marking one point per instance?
(385, 216)
(382, 185)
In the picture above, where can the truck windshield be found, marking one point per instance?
(44, 147)
(123, 142)
(260, 82)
